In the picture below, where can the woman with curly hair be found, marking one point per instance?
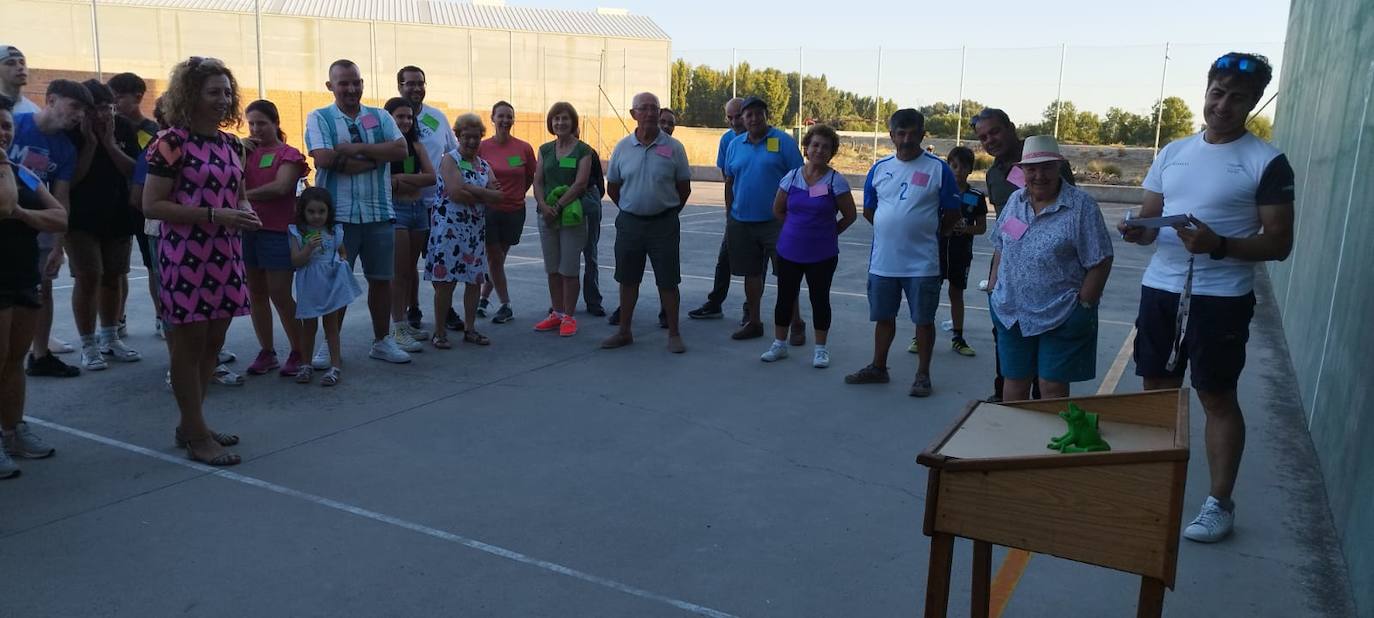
(195, 187)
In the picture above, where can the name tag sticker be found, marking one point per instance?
(515, 161)
(664, 151)
(820, 190)
(920, 179)
(29, 179)
(971, 199)
(430, 121)
(267, 160)
(145, 138)
(465, 165)
(409, 166)
(567, 163)
(1014, 227)
(772, 144)
(369, 122)
(1017, 177)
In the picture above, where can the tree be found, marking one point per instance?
(1075, 127)
(1176, 121)
(1262, 127)
(1123, 127)
(681, 77)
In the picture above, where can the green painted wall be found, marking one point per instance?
(1325, 290)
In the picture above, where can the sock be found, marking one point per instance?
(88, 339)
(820, 346)
(109, 333)
(958, 333)
(779, 343)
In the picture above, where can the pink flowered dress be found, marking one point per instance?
(202, 263)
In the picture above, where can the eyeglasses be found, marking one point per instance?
(1229, 62)
(419, 84)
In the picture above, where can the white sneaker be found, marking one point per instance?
(8, 468)
(114, 347)
(321, 358)
(91, 360)
(387, 350)
(776, 351)
(821, 358)
(404, 340)
(418, 334)
(224, 357)
(58, 346)
(158, 330)
(1212, 524)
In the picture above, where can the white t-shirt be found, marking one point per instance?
(1221, 185)
(909, 197)
(25, 106)
(796, 178)
(436, 134)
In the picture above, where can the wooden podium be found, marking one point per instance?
(992, 480)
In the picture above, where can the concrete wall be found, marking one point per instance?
(1325, 291)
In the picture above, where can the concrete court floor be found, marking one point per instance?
(545, 477)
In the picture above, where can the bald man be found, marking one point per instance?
(711, 309)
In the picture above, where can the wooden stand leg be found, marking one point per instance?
(937, 576)
(1151, 603)
(982, 580)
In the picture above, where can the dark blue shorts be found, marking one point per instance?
(267, 250)
(1214, 344)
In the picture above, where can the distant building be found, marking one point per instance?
(475, 53)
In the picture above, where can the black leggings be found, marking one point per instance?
(818, 277)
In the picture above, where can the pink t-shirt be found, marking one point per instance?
(261, 169)
(513, 163)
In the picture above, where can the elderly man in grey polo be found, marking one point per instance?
(649, 180)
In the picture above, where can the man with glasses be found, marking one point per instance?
(997, 134)
(436, 134)
(1197, 295)
(349, 143)
(649, 180)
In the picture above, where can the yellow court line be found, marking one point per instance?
(1014, 565)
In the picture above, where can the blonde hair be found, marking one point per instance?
(468, 121)
(183, 91)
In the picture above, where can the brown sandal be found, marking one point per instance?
(472, 336)
(441, 342)
(224, 439)
(225, 458)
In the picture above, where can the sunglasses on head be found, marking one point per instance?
(1244, 65)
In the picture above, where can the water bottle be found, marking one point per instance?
(947, 325)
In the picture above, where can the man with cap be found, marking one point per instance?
(720, 288)
(14, 75)
(755, 163)
(41, 145)
(997, 134)
(910, 197)
(649, 180)
(100, 228)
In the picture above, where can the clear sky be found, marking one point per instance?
(1114, 57)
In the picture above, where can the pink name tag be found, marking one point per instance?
(920, 179)
(369, 122)
(820, 190)
(664, 151)
(1014, 227)
(1017, 177)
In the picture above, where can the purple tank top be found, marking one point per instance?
(808, 233)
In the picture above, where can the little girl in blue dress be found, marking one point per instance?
(324, 283)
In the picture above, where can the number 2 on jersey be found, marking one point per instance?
(903, 195)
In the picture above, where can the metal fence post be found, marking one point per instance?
(1059, 89)
(95, 39)
(257, 41)
(877, 104)
(734, 73)
(959, 127)
(801, 80)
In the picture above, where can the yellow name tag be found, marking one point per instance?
(772, 144)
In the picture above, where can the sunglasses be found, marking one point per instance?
(1229, 62)
(353, 131)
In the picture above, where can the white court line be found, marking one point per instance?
(1118, 367)
(384, 519)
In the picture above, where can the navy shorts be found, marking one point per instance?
(1214, 344)
(956, 256)
(266, 250)
(885, 298)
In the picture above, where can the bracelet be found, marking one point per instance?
(1220, 252)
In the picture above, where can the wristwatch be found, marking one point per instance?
(1220, 251)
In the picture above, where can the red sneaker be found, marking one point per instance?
(547, 324)
(568, 328)
(265, 362)
(292, 365)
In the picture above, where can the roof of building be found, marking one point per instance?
(485, 16)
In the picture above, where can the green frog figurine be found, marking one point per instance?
(1082, 436)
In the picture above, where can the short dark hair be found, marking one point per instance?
(100, 93)
(409, 68)
(6, 104)
(269, 109)
(823, 131)
(991, 113)
(561, 107)
(667, 110)
(341, 62)
(500, 104)
(1250, 69)
(963, 154)
(71, 90)
(907, 119)
(128, 83)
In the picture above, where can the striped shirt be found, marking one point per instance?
(358, 198)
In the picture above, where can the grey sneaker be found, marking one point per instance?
(1213, 523)
(920, 387)
(868, 375)
(225, 357)
(776, 351)
(820, 359)
(503, 315)
(22, 443)
(401, 336)
(224, 376)
(114, 348)
(91, 360)
(482, 306)
(8, 469)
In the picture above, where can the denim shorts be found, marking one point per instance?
(1067, 353)
(411, 215)
(267, 250)
(375, 243)
(885, 297)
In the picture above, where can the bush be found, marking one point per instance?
(982, 161)
(1103, 169)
